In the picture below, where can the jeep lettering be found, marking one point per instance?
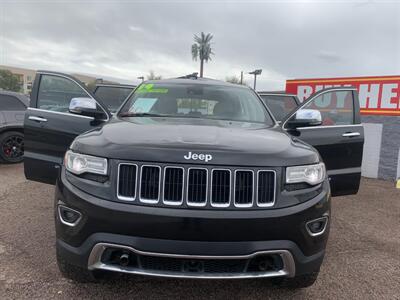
(201, 156)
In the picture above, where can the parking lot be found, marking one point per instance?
(362, 260)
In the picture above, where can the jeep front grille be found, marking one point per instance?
(182, 186)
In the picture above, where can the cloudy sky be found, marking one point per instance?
(125, 39)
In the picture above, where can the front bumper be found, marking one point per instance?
(190, 233)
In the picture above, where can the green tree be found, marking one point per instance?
(202, 50)
(9, 81)
(153, 76)
(235, 80)
(91, 85)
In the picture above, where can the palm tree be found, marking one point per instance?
(202, 50)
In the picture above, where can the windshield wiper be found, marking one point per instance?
(132, 114)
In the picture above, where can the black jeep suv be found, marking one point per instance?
(191, 178)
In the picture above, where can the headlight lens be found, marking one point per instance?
(311, 174)
(80, 163)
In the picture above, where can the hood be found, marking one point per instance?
(194, 141)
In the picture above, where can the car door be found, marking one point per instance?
(339, 139)
(49, 126)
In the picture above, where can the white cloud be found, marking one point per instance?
(126, 39)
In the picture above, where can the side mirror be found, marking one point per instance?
(85, 106)
(305, 118)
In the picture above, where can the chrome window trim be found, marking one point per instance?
(195, 204)
(234, 189)
(325, 217)
(168, 202)
(65, 222)
(76, 82)
(60, 113)
(124, 198)
(230, 188)
(150, 201)
(330, 126)
(317, 94)
(95, 263)
(269, 204)
(274, 94)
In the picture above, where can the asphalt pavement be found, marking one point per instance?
(362, 259)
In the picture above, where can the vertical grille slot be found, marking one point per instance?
(266, 188)
(244, 188)
(173, 185)
(150, 184)
(220, 187)
(197, 187)
(127, 174)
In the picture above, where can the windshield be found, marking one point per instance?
(196, 101)
(111, 96)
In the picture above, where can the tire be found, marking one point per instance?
(75, 273)
(298, 282)
(11, 147)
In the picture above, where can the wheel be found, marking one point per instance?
(297, 282)
(12, 147)
(76, 273)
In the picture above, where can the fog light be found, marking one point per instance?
(317, 226)
(69, 216)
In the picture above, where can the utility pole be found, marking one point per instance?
(241, 77)
(255, 73)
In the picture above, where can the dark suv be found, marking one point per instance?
(12, 110)
(191, 178)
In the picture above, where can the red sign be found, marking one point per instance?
(378, 95)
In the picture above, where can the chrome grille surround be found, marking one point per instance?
(208, 203)
(268, 204)
(250, 204)
(95, 263)
(191, 203)
(119, 196)
(169, 202)
(230, 189)
(144, 200)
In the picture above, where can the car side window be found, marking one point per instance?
(280, 105)
(55, 93)
(336, 107)
(10, 103)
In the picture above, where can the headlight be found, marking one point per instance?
(79, 163)
(312, 174)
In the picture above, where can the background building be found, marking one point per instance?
(27, 76)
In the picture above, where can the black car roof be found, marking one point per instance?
(194, 80)
(116, 85)
(283, 93)
(21, 97)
